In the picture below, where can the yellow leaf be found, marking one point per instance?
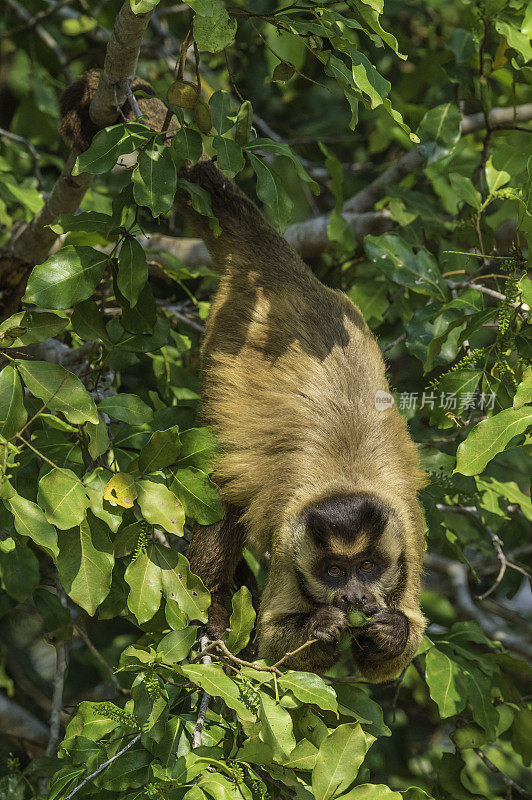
(121, 490)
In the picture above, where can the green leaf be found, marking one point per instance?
(13, 414)
(187, 145)
(199, 447)
(154, 179)
(284, 150)
(456, 393)
(439, 131)
(418, 271)
(464, 190)
(522, 734)
(85, 563)
(109, 144)
(127, 408)
(59, 389)
(143, 6)
(215, 682)
(271, 191)
(63, 498)
(221, 105)
(175, 646)
(160, 506)
(130, 771)
(181, 585)
(303, 756)
(132, 270)
(89, 323)
(143, 576)
(176, 618)
(310, 688)
(161, 451)
(490, 437)
(66, 277)
(242, 620)
(372, 791)
(340, 757)
(353, 701)
(98, 438)
(230, 157)
(216, 31)
(442, 676)
(30, 521)
(19, 570)
(523, 393)
(29, 327)
(198, 494)
(276, 728)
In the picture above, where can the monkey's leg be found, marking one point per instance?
(214, 554)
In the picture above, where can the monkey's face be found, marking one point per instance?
(351, 554)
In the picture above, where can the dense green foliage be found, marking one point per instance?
(104, 465)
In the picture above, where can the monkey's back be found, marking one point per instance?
(290, 372)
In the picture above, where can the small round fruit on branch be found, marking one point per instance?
(356, 619)
(183, 94)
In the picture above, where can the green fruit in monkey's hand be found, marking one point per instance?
(183, 94)
(356, 619)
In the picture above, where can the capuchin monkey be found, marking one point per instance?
(313, 469)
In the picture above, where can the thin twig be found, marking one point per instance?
(101, 768)
(98, 656)
(198, 728)
(496, 771)
(132, 101)
(389, 346)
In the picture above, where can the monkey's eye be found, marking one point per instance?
(335, 571)
(367, 566)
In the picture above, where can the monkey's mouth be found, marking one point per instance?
(369, 607)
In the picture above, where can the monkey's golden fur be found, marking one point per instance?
(290, 373)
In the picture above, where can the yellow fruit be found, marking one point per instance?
(183, 94)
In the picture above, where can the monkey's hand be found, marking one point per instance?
(383, 637)
(326, 625)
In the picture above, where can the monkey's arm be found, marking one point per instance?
(214, 554)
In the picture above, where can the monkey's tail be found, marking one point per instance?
(247, 240)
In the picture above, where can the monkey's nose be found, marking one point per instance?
(354, 602)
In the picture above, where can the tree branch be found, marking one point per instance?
(119, 66)
(102, 767)
(16, 721)
(498, 118)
